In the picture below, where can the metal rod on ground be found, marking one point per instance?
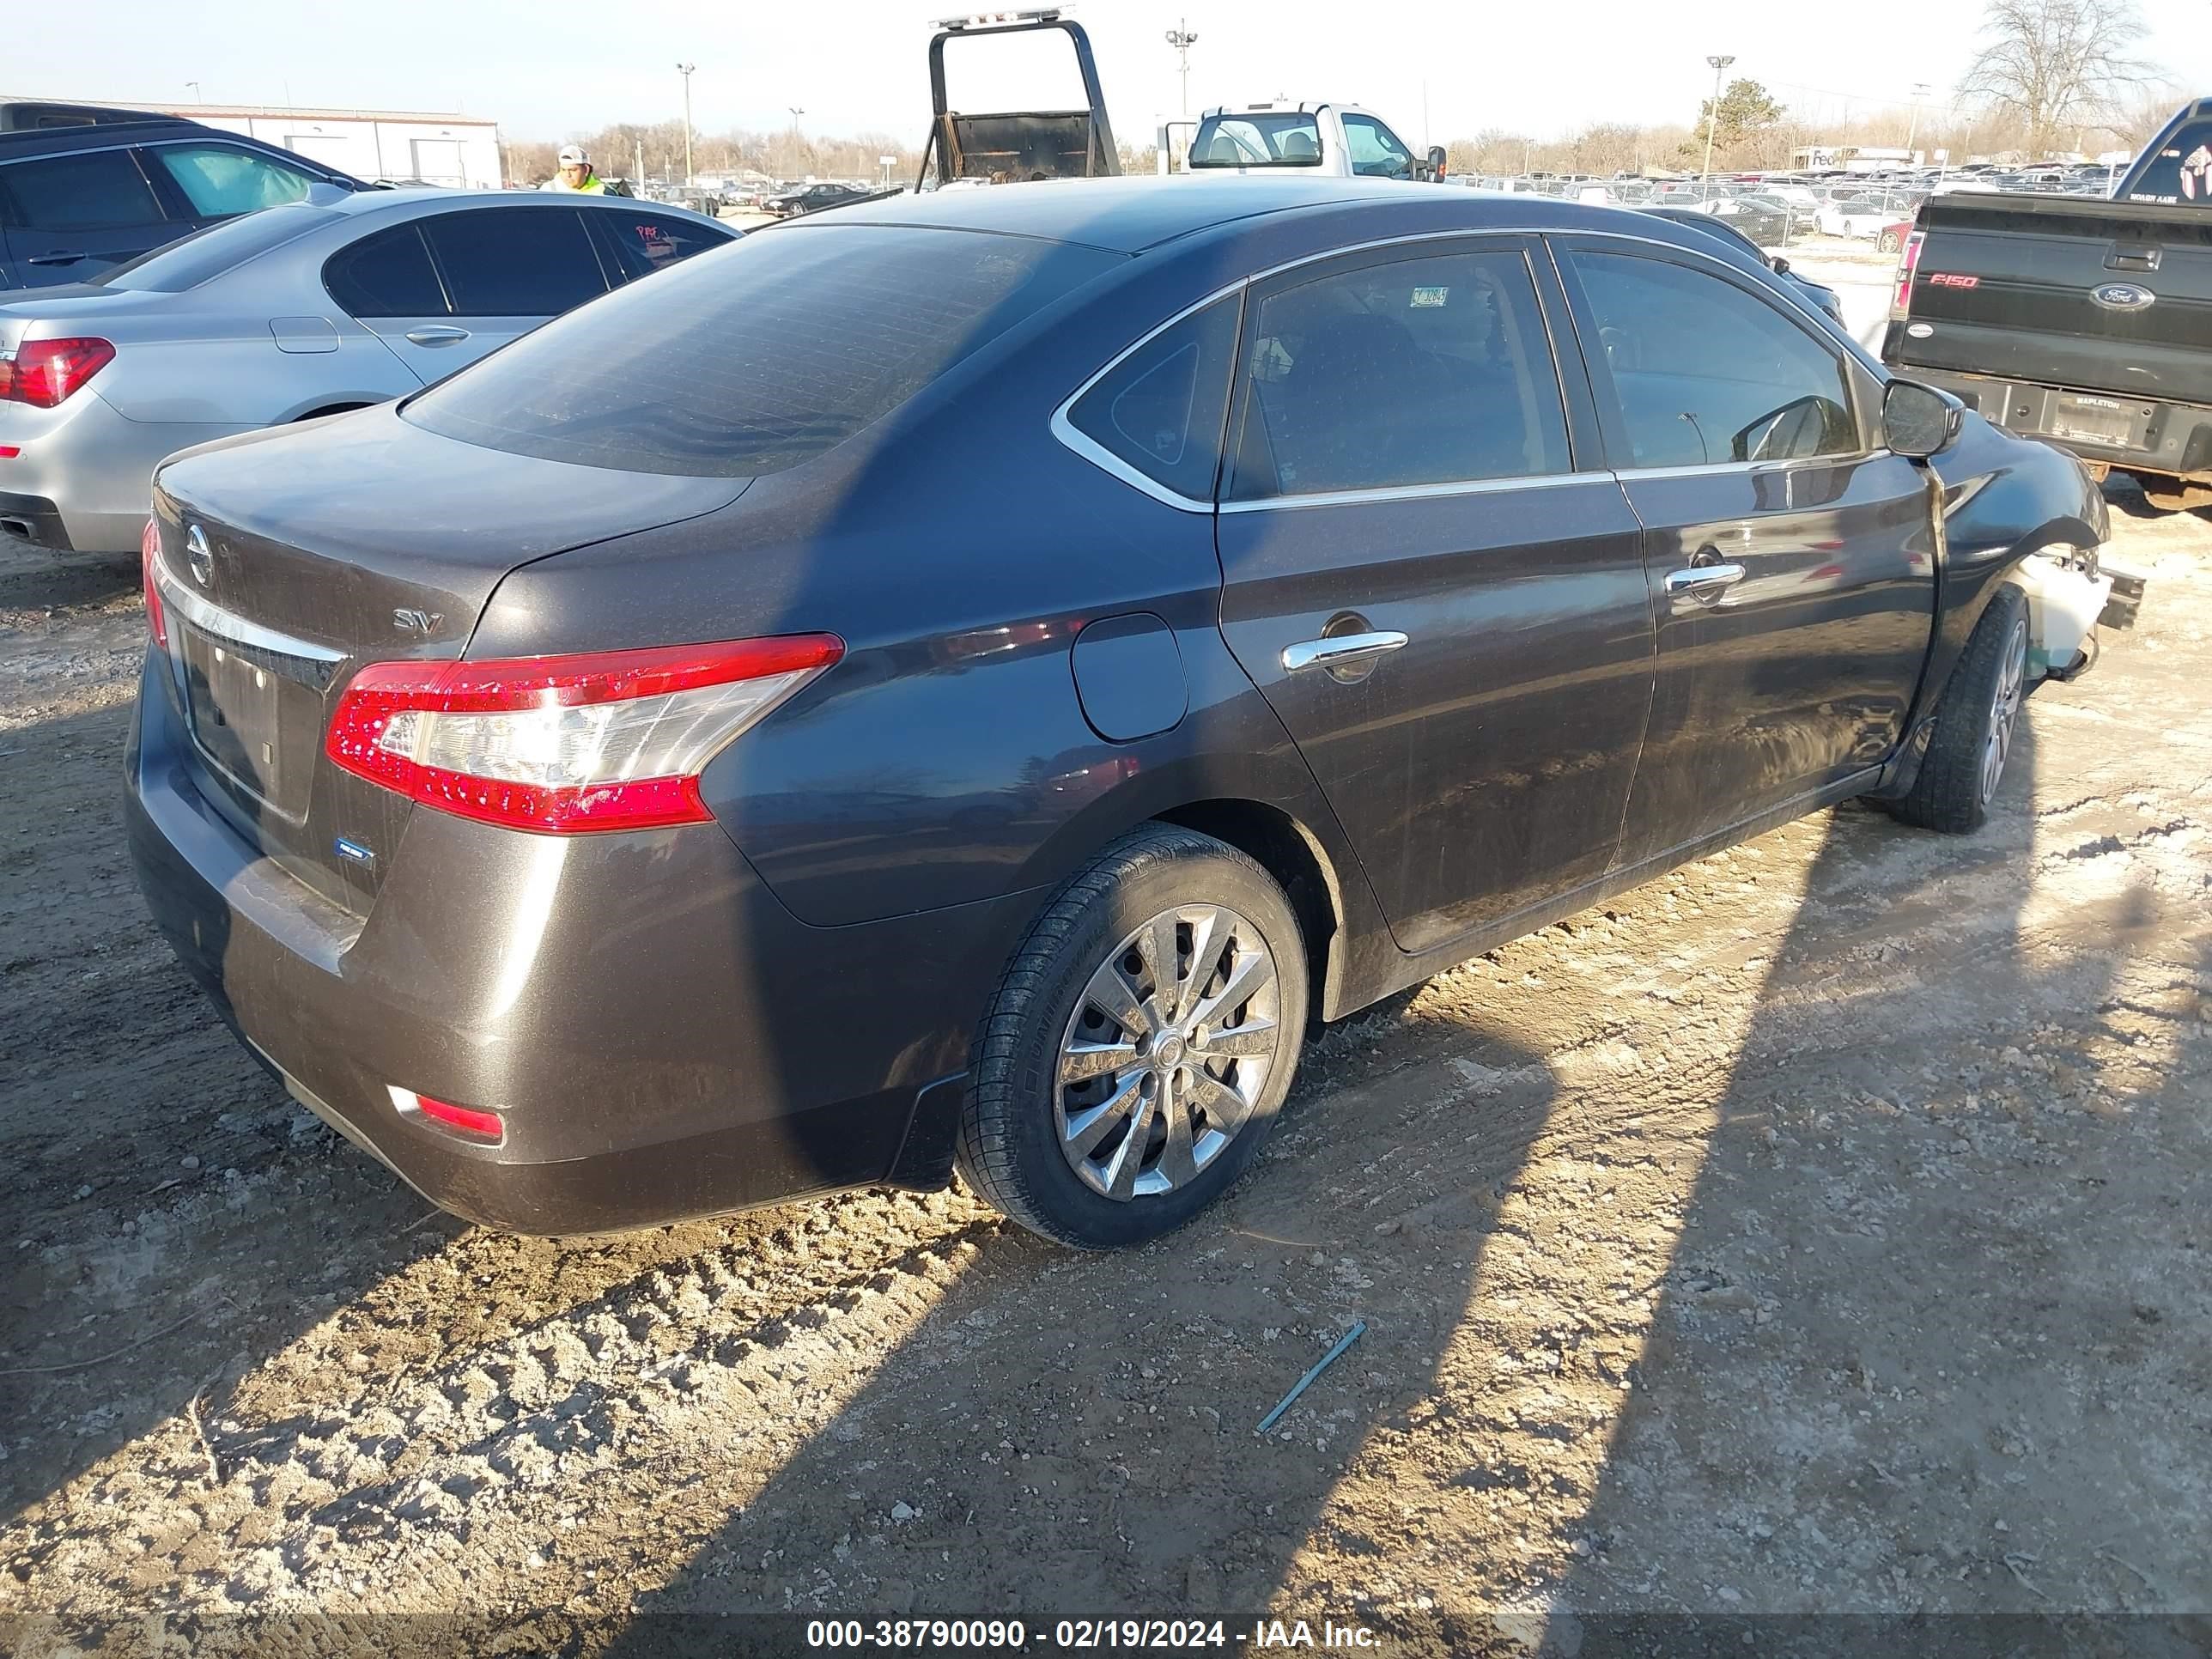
(1300, 1386)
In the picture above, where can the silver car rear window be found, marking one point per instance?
(758, 356)
(191, 260)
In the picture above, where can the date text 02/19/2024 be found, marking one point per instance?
(1081, 1634)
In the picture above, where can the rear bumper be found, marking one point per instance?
(661, 1039)
(91, 469)
(2147, 435)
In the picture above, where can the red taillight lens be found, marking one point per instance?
(1907, 262)
(149, 555)
(464, 1121)
(564, 745)
(45, 371)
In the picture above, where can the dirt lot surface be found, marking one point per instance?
(1822, 1227)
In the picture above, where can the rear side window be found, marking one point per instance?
(646, 242)
(1160, 409)
(220, 180)
(93, 191)
(1412, 372)
(516, 262)
(2181, 172)
(386, 275)
(763, 357)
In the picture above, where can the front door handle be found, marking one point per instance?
(1340, 650)
(438, 334)
(54, 259)
(1704, 581)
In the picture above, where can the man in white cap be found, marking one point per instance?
(575, 172)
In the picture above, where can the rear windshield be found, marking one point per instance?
(2181, 172)
(191, 260)
(757, 356)
(1256, 141)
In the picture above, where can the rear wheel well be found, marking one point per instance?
(328, 408)
(1273, 838)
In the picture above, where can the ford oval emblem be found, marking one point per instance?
(199, 555)
(2122, 296)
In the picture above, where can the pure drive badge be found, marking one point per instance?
(352, 851)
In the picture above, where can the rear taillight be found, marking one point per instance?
(149, 556)
(1907, 261)
(564, 745)
(44, 373)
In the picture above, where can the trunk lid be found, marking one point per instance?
(290, 559)
(2008, 286)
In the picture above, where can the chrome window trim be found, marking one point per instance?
(1708, 469)
(1105, 459)
(213, 620)
(1419, 492)
(1107, 462)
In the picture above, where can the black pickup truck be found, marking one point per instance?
(2084, 321)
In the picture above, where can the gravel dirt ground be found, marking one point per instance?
(1821, 1228)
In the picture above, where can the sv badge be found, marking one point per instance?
(415, 621)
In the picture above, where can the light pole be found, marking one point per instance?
(1920, 90)
(685, 69)
(1183, 40)
(1712, 120)
(194, 86)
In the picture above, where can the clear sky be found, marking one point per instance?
(547, 71)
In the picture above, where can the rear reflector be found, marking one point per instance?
(149, 555)
(8, 452)
(466, 1121)
(564, 745)
(43, 373)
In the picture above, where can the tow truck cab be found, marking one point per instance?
(1339, 141)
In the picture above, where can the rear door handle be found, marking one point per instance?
(1704, 581)
(57, 258)
(1340, 650)
(438, 334)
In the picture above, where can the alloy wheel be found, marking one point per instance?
(2004, 710)
(1168, 1051)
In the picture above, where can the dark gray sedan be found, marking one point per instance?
(972, 680)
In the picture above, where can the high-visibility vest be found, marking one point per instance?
(593, 184)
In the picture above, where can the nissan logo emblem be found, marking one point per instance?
(2122, 296)
(199, 555)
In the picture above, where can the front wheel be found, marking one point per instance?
(1975, 723)
(1136, 1050)
(1888, 243)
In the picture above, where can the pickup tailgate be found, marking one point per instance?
(2010, 287)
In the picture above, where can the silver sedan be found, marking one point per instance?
(284, 315)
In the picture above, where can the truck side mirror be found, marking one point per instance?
(1433, 172)
(1920, 421)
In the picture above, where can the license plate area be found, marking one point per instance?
(250, 720)
(2094, 421)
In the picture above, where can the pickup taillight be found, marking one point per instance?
(1907, 261)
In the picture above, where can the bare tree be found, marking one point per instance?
(2055, 64)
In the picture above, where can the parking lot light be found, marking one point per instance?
(1720, 63)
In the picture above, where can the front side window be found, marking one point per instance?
(1705, 372)
(100, 190)
(219, 181)
(1159, 409)
(1288, 140)
(1413, 372)
(516, 262)
(763, 357)
(1375, 149)
(646, 242)
(2181, 172)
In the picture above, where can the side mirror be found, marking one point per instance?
(1918, 421)
(1779, 265)
(1437, 163)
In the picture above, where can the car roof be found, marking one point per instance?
(106, 134)
(378, 201)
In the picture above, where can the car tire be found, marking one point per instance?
(1887, 243)
(1975, 723)
(1060, 1089)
